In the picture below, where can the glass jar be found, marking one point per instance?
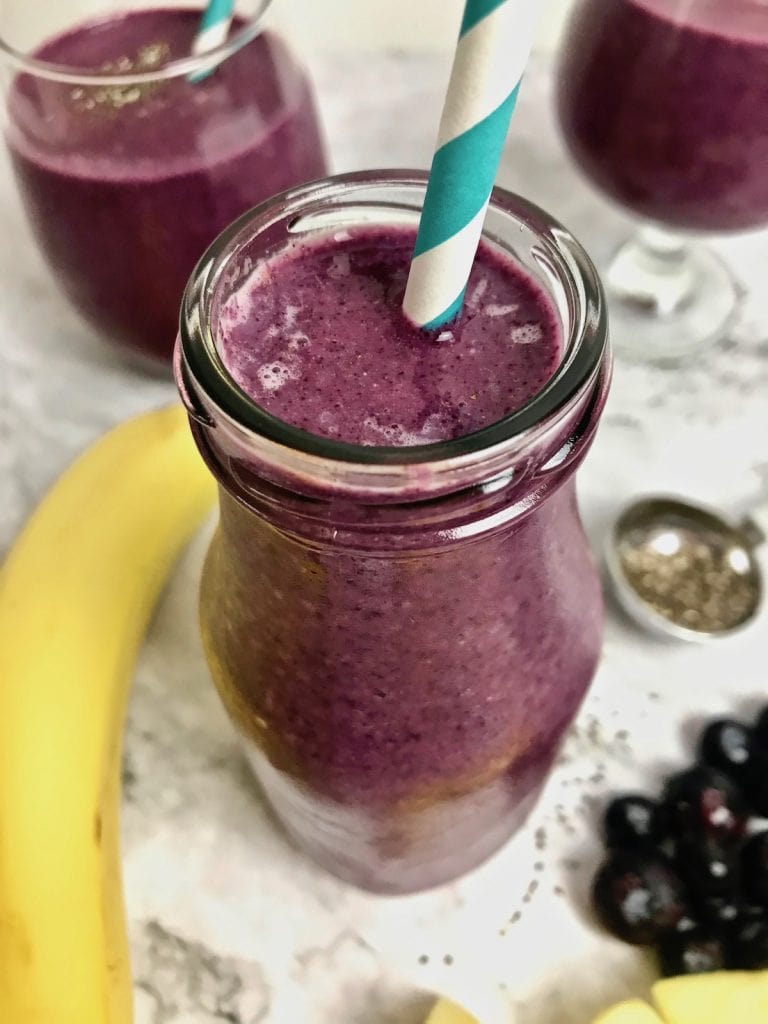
(663, 105)
(131, 154)
(401, 635)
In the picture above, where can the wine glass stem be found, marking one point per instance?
(653, 271)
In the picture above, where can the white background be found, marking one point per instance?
(407, 24)
(312, 24)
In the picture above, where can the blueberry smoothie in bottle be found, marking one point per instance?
(664, 105)
(399, 609)
(126, 184)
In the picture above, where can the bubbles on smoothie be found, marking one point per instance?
(395, 292)
(526, 334)
(285, 329)
(471, 333)
(494, 309)
(327, 423)
(289, 316)
(476, 294)
(297, 341)
(234, 312)
(339, 265)
(273, 376)
(398, 436)
(251, 279)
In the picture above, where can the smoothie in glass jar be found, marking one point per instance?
(126, 184)
(401, 647)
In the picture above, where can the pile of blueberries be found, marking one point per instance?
(688, 874)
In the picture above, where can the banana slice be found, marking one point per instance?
(635, 1011)
(723, 997)
(446, 1012)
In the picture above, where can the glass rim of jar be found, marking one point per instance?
(210, 393)
(180, 67)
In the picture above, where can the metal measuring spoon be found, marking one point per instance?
(682, 571)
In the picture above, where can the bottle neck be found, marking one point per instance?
(501, 490)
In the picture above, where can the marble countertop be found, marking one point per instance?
(229, 922)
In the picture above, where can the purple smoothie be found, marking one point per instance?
(318, 338)
(126, 186)
(403, 675)
(663, 103)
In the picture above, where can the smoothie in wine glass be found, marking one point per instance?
(663, 104)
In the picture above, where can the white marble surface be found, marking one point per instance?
(229, 923)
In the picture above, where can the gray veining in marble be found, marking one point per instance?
(228, 922)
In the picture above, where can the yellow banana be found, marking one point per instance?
(76, 594)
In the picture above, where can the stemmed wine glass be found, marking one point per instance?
(664, 105)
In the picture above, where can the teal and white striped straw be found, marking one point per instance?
(212, 32)
(494, 44)
(214, 26)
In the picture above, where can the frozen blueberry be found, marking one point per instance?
(631, 820)
(749, 944)
(761, 730)
(754, 868)
(695, 952)
(689, 922)
(754, 782)
(719, 911)
(703, 803)
(726, 745)
(637, 896)
(707, 868)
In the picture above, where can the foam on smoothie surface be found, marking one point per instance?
(317, 337)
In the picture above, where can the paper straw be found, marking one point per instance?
(494, 43)
(212, 32)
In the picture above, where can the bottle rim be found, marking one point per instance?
(215, 400)
(182, 67)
